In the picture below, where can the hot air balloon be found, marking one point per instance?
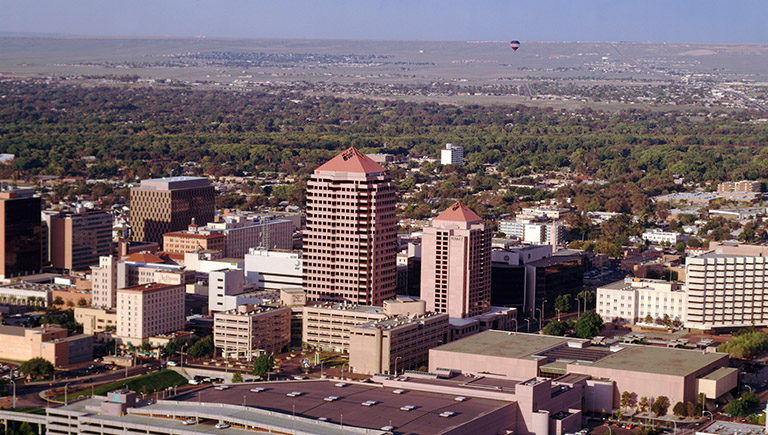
(515, 45)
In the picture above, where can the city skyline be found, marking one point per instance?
(553, 20)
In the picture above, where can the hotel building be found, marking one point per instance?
(456, 263)
(147, 310)
(350, 243)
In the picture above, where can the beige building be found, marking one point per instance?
(104, 282)
(739, 186)
(396, 344)
(456, 263)
(96, 320)
(632, 300)
(194, 239)
(48, 341)
(147, 310)
(79, 238)
(250, 330)
(163, 205)
(350, 242)
(327, 325)
(641, 370)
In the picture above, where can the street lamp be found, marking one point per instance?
(397, 358)
(515, 320)
(182, 354)
(528, 327)
(711, 416)
(65, 392)
(342, 370)
(14, 393)
(578, 306)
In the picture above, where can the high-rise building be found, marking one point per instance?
(147, 310)
(456, 263)
(79, 237)
(104, 282)
(350, 243)
(20, 233)
(163, 205)
(452, 155)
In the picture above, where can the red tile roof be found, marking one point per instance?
(144, 257)
(351, 160)
(459, 212)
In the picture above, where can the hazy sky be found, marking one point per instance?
(731, 21)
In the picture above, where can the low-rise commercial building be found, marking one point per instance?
(96, 320)
(632, 300)
(250, 330)
(48, 341)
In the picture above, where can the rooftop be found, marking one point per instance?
(658, 360)
(729, 428)
(503, 344)
(351, 160)
(459, 212)
(149, 287)
(172, 183)
(143, 257)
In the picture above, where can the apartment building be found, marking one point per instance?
(452, 155)
(658, 237)
(739, 186)
(632, 300)
(396, 344)
(48, 341)
(456, 263)
(251, 330)
(350, 242)
(147, 310)
(164, 205)
(21, 233)
(79, 237)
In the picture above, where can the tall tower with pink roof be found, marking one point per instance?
(350, 244)
(456, 263)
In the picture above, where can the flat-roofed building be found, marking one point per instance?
(244, 232)
(96, 320)
(273, 270)
(632, 300)
(452, 155)
(164, 205)
(48, 341)
(639, 369)
(21, 233)
(104, 282)
(147, 310)
(251, 330)
(396, 344)
(739, 186)
(194, 239)
(30, 293)
(79, 237)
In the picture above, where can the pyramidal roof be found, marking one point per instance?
(459, 212)
(144, 257)
(351, 160)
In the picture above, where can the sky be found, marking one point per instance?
(697, 21)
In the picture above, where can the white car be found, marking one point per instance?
(172, 364)
(221, 425)
(221, 387)
(189, 421)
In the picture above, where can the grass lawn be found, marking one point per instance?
(141, 384)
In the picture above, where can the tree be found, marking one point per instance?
(146, 347)
(563, 303)
(555, 327)
(58, 300)
(82, 302)
(679, 409)
(588, 325)
(643, 404)
(660, 406)
(690, 409)
(263, 365)
(648, 319)
(626, 399)
(202, 347)
(36, 367)
(237, 378)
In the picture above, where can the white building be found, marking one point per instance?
(528, 230)
(104, 283)
(658, 237)
(273, 270)
(452, 155)
(244, 232)
(221, 283)
(632, 300)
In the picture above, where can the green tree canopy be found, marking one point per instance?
(36, 367)
(263, 365)
(555, 327)
(563, 303)
(588, 325)
(237, 378)
(202, 347)
(660, 406)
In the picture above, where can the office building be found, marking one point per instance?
(104, 282)
(244, 232)
(658, 237)
(21, 233)
(350, 242)
(79, 237)
(509, 274)
(251, 330)
(47, 341)
(96, 320)
(456, 263)
(552, 276)
(194, 239)
(147, 310)
(164, 205)
(452, 155)
(273, 270)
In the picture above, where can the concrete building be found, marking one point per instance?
(48, 341)
(104, 282)
(456, 263)
(221, 283)
(21, 231)
(147, 310)
(327, 325)
(193, 239)
(249, 330)
(739, 186)
(547, 212)
(96, 320)
(145, 268)
(396, 344)
(452, 155)
(639, 369)
(164, 205)
(632, 300)
(30, 293)
(350, 242)
(243, 233)
(658, 237)
(273, 270)
(79, 237)
(533, 230)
